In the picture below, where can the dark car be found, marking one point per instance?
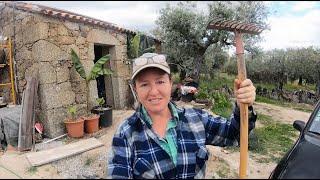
(303, 159)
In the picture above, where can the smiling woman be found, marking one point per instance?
(161, 140)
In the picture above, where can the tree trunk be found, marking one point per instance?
(182, 74)
(198, 62)
(196, 70)
(318, 85)
(318, 88)
(300, 81)
(280, 86)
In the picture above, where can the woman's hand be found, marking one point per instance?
(244, 92)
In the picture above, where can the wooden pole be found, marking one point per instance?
(242, 75)
(11, 72)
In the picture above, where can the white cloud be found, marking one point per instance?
(133, 18)
(303, 5)
(292, 31)
(127, 14)
(286, 30)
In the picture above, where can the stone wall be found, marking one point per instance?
(42, 47)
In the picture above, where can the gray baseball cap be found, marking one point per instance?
(150, 60)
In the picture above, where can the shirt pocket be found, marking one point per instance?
(143, 170)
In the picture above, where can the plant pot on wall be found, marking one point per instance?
(75, 129)
(91, 123)
(105, 113)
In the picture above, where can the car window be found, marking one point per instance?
(315, 126)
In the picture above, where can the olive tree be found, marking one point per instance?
(186, 39)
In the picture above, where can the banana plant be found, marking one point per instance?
(139, 45)
(97, 70)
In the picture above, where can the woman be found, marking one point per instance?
(161, 140)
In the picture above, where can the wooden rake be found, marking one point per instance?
(238, 28)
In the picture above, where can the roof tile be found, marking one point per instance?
(64, 15)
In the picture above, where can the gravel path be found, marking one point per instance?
(92, 164)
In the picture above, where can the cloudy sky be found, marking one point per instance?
(293, 23)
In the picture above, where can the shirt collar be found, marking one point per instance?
(143, 114)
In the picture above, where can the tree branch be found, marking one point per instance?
(212, 40)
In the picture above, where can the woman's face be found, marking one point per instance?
(153, 87)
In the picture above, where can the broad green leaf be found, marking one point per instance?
(107, 71)
(98, 68)
(77, 64)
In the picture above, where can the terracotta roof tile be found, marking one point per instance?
(64, 15)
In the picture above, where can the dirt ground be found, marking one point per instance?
(15, 165)
(220, 156)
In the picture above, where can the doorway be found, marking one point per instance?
(104, 83)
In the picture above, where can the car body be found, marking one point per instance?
(302, 161)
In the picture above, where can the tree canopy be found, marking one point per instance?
(278, 66)
(186, 39)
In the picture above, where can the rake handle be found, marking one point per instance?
(242, 75)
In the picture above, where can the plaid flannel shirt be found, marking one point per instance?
(136, 151)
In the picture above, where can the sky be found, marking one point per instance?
(293, 23)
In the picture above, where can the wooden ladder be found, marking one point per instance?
(8, 45)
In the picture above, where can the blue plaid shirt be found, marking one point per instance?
(136, 151)
(169, 142)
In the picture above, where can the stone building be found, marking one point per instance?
(43, 38)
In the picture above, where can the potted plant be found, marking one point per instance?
(91, 120)
(104, 112)
(91, 123)
(74, 125)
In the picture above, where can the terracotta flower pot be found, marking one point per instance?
(75, 128)
(91, 123)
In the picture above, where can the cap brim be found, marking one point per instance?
(164, 68)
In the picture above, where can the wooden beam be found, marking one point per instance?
(54, 154)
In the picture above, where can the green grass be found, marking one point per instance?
(32, 170)
(301, 108)
(265, 85)
(218, 81)
(223, 111)
(224, 171)
(264, 119)
(272, 140)
(294, 86)
(274, 137)
(296, 106)
(269, 101)
(269, 142)
(222, 105)
(88, 161)
(289, 86)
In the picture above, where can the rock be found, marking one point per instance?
(40, 55)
